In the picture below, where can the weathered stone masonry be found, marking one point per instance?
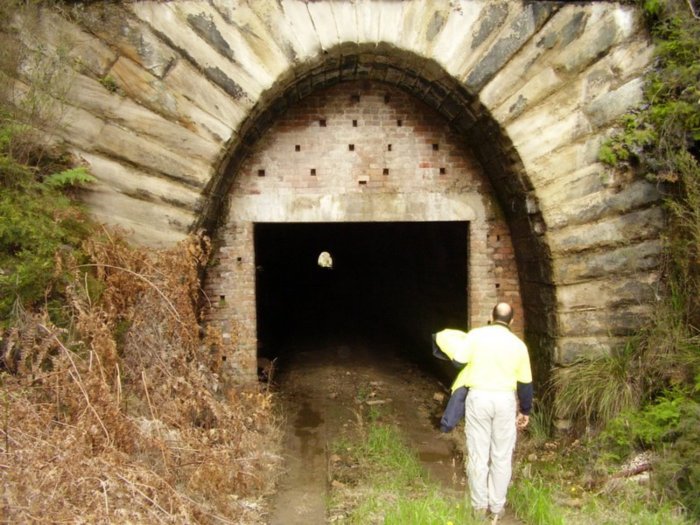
(168, 99)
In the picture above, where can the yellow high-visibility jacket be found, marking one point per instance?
(495, 358)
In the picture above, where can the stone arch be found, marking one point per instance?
(356, 192)
(167, 96)
(428, 82)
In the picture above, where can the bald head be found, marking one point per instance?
(502, 313)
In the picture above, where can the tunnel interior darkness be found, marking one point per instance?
(398, 280)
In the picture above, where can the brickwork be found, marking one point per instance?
(359, 151)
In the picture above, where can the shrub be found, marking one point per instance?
(128, 409)
(40, 226)
(597, 389)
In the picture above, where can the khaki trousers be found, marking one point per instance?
(491, 433)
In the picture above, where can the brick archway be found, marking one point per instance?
(363, 151)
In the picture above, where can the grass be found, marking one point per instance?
(597, 389)
(564, 482)
(555, 483)
(431, 509)
(533, 502)
(388, 484)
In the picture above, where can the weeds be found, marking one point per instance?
(597, 389)
(383, 448)
(532, 500)
(659, 402)
(388, 483)
(139, 430)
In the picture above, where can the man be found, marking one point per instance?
(497, 365)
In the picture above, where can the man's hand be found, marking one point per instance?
(521, 421)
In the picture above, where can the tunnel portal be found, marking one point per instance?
(193, 133)
(372, 175)
(398, 280)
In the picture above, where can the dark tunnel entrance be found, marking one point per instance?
(396, 280)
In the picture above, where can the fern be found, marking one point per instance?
(74, 177)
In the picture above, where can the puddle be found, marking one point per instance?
(307, 418)
(436, 457)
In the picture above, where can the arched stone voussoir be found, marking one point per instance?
(609, 233)
(608, 292)
(622, 261)
(90, 95)
(195, 37)
(570, 350)
(145, 221)
(144, 186)
(609, 201)
(123, 32)
(620, 321)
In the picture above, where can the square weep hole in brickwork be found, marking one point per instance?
(297, 148)
(351, 147)
(261, 173)
(354, 123)
(322, 122)
(313, 172)
(443, 171)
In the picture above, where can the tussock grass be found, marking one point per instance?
(533, 502)
(597, 389)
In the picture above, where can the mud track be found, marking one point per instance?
(323, 386)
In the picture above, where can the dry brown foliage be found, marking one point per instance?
(124, 418)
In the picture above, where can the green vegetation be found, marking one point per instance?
(534, 502)
(40, 225)
(378, 479)
(646, 397)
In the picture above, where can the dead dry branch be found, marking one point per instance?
(122, 416)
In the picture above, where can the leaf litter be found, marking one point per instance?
(122, 414)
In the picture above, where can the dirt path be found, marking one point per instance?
(322, 385)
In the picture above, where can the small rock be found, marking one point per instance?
(573, 502)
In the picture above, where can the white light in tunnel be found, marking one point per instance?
(325, 260)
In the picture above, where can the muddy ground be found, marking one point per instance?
(325, 387)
